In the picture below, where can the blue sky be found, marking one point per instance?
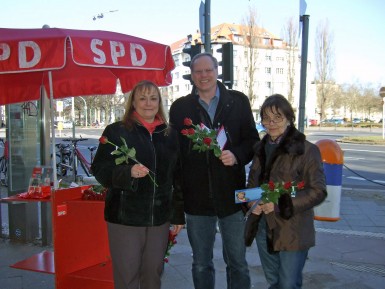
(357, 26)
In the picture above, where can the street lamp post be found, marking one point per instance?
(85, 108)
(382, 94)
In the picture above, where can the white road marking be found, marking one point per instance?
(368, 151)
(362, 179)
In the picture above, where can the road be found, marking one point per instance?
(363, 164)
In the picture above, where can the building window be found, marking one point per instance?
(268, 84)
(268, 57)
(279, 58)
(266, 41)
(176, 88)
(279, 70)
(268, 70)
(176, 75)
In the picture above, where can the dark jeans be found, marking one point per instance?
(201, 232)
(283, 269)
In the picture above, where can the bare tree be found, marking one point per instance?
(372, 102)
(353, 97)
(290, 36)
(251, 33)
(324, 60)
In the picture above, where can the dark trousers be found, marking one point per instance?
(137, 255)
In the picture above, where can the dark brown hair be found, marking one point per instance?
(280, 104)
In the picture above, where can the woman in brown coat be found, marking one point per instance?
(286, 231)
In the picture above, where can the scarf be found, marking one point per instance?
(149, 126)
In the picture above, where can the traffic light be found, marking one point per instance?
(192, 50)
(227, 64)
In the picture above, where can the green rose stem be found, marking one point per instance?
(124, 153)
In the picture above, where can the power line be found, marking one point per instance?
(101, 15)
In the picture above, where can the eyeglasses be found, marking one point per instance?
(200, 72)
(275, 119)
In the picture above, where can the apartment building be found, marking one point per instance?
(269, 62)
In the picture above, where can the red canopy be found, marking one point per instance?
(81, 62)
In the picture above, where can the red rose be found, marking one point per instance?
(190, 131)
(271, 186)
(103, 140)
(207, 141)
(287, 185)
(184, 131)
(301, 185)
(187, 121)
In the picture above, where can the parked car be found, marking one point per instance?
(261, 129)
(356, 120)
(338, 120)
(313, 122)
(333, 121)
(67, 124)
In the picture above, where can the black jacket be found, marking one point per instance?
(139, 202)
(208, 186)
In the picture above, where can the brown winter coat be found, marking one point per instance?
(295, 159)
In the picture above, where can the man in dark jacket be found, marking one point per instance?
(209, 182)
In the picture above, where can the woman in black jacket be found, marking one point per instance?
(140, 203)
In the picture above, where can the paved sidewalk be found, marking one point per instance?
(349, 253)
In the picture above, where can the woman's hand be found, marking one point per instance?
(267, 208)
(175, 229)
(257, 209)
(139, 171)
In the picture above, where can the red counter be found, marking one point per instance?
(80, 258)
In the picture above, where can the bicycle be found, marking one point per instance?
(69, 157)
(4, 164)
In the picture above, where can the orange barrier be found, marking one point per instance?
(333, 159)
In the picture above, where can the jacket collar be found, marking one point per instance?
(224, 105)
(293, 142)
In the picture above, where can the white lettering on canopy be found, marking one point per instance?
(6, 51)
(134, 59)
(115, 52)
(36, 56)
(137, 53)
(100, 53)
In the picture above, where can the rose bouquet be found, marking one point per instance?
(279, 193)
(124, 153)
(170, 244)
(204, 139)
(95, 193)
(273, 191)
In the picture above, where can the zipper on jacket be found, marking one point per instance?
(121, 207)
(152, 169)
(153, 183)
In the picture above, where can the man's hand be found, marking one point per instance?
(228, 158)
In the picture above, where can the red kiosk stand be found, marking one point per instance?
(81, 258)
